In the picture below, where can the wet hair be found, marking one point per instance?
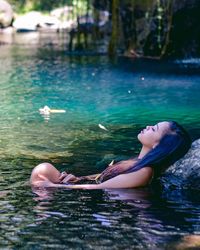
(173, 145)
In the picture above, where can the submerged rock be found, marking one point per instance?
(184, 173)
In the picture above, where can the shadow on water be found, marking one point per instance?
(149, 216)
(135, 65)
(47, 218)
(166, 67)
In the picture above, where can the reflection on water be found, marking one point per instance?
(124, 98)
(96, 219)
(139, 198)
(36, 39)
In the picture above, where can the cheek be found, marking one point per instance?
(147, 139)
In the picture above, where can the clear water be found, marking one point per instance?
(124, 96)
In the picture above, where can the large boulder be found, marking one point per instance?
(34, 20)
(6, 14)
(184, 173)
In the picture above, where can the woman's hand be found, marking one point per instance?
(66, 178)
(115, 169)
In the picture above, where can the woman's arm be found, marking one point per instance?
(139, 178)
(89, 177)
(70, 178)
(110, 172)
(132, 180)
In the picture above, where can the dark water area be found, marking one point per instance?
(165, 66)
(124, 96)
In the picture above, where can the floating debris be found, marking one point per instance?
(102, 127)
(142, 78)
(129, 91)
(111, 163)
(47, 111)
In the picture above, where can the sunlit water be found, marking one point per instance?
(123, 96)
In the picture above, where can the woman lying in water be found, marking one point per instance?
(162, 145)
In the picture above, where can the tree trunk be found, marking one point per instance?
(169, 26)
(112, 48)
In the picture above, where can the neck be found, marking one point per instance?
(143, 152)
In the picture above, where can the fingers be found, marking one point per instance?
(62, 176)
(75, 180)
(67, 178)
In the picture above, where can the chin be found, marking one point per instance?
(139, 137)
(143, 140)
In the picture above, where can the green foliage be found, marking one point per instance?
(141, 28)
(22, 6)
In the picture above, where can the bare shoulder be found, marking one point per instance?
(144, 176)
(147, 170)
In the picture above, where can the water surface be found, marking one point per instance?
(124, 96)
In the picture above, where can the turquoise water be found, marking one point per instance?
(124, 96)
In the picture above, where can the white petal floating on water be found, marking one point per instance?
(102, 127)
(57, 111)
(46, 110)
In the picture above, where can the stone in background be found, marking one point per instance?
(6, 14)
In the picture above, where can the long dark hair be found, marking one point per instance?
(171, 148)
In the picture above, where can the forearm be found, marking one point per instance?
(119, 181)
(76, 186)
(136, 179)
(132, 180)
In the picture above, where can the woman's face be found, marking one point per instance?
(151, 135)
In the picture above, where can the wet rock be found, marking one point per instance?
(34, 20)
(184, 173)
(6, 14)
(27, 22)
